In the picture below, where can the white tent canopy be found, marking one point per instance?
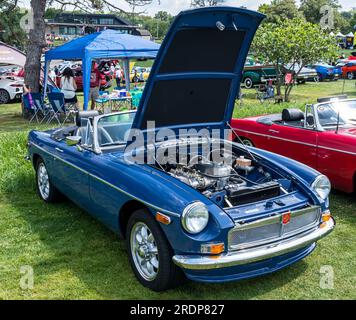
(340, 35)
(350, 35)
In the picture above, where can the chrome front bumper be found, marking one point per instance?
(230, 259)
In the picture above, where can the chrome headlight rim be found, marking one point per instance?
(315, 186)
(185, 216)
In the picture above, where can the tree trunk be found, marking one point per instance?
(35, 45)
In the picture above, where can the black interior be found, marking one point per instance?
(200, 50)
(187, 101)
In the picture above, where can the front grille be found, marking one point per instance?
(272, 229)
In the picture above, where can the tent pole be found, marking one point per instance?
(86, 61)
(45, 78)
(127, 73)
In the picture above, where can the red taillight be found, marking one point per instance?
(16, 85)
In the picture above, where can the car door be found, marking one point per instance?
(293, 142)
(70, 172)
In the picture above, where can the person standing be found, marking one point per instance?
(118, 75)
(69, 86)
(95, 80)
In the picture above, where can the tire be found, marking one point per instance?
(247, 142)
(248, 83)
(160, 274)
(4, 96)
(45, 189)
(350, 75)
(319, 77)
(301, 81)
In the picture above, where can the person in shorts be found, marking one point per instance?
(94, 84)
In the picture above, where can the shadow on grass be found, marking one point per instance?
(76, 243)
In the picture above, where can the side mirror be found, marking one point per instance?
(73, 140)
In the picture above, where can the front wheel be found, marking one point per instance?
(248, 83)
(45, 188)
(150, 254)
(350, 75)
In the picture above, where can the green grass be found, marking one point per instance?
(74, 257)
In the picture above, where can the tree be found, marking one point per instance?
(280, 10)
(138, 3)
(205, 3)
(36, 41)
(311, 8)
(294, 42)
(10, 29)
(163, 16)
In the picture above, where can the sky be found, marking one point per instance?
(174, 6)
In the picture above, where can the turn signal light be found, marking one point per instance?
(212, 248)
(326, 216)
(160, 217)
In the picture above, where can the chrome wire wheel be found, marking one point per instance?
(43, 181)
(144, 251)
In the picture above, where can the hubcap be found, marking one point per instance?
(350, 76)
(43, 181)
(247, 143)
(3, 96)
(144, 251)
(248, 83)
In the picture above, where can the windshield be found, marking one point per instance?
(328, 113)
(113, 128)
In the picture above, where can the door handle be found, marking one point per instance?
(59, 149)
(273, 131)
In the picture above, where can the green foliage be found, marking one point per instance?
(157, 26)
(293, 41)
(280, 10)
(10, 30)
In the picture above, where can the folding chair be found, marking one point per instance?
(40, 106)
(56, 99)
(30, 106)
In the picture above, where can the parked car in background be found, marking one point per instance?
(323, 137)
(305, 74)
(105, 81)
(257, 74)
(11, 88)
(326, 71)
(227, 214)
(349, 70)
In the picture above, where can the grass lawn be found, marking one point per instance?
(75, 257)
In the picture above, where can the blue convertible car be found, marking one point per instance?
(195, 215)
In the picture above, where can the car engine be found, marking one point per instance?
(242, 182)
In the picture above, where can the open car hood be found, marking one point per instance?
(196, 76)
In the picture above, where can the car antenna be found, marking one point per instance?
(245, 147)
(338, 123)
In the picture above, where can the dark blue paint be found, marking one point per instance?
(103, 183)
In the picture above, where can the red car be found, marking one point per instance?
(322, 137)
(349, 70)
(78, 77)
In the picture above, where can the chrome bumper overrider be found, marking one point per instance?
(230, 259)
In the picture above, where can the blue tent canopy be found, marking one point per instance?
(101, 45)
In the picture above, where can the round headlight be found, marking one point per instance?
(322, 186)
(195, 217)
